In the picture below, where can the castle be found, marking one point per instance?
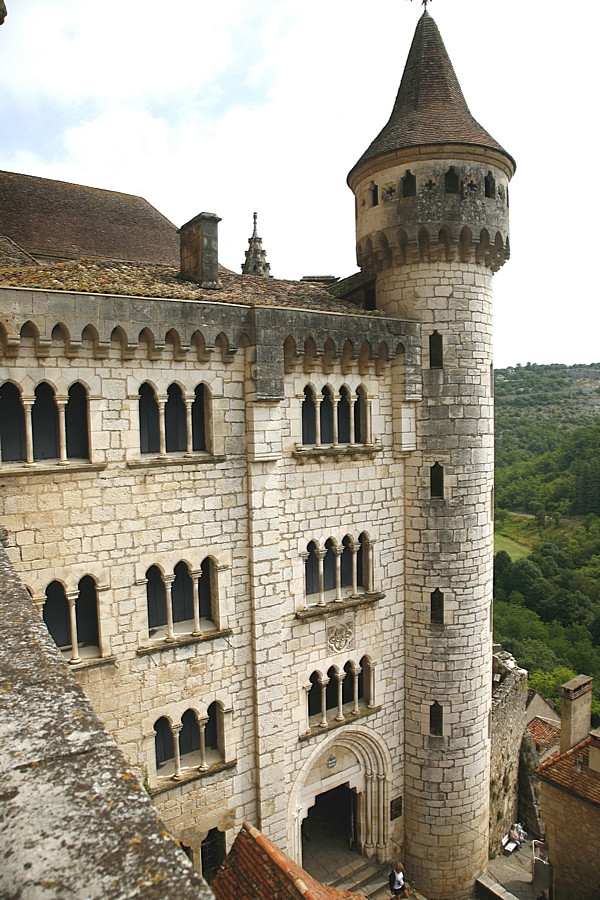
(256, 516)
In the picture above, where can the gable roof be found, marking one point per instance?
(545, 733)
(256, 869)
(430, 107)
(59, 220)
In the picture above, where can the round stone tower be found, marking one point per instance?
(432, 227)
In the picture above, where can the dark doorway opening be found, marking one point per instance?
(329, 830)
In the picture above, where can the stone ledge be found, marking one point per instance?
(196, 775)
(92, 662)
(343, 451)
(331, 726)
(154, 462)
(37, 468)
(184, 641)
(487, 888)
(335, 607)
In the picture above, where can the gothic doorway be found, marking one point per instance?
(329, 829)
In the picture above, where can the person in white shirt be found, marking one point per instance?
(398, 885)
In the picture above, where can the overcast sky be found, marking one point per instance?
(266, 105)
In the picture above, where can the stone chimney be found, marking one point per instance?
(199, 249)
(576, 709)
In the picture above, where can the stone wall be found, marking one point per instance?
(74, 819)
(572, 829)
(508, 727)
(251, 503)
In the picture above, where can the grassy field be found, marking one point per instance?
(513, 548)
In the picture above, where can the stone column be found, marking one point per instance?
(354, 547)
(61, 402)
(176, 730)
(161, 429)
(202, 720)
(189, 443)
(197, 576)
(28, 433)
(340, 686)
(169, 579)
(321, 554)
(72, 600)
(323, 683)
(338, 572)
(335, 421)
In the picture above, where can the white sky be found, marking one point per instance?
(266, 105)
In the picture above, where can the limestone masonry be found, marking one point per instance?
(256, 516)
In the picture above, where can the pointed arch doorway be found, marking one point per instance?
(343, 787)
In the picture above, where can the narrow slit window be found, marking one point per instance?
(437, 481)
(437, 607)
(436, 351)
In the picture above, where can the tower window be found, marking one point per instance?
(373, 195)
(409, 185)
(436, 719)
(437, 607)
(436, 351)
(451, 182)
(490, 185)
(437, 481)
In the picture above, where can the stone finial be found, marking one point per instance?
(256, 258)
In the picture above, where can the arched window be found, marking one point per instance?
(437, 607)
(490, 185)
(436, 719)
(148, 412)
(76, 423)
(436, 351)
(182, 594)
(309, 417)
(346, 562)
(12, 424)
(156, 597)
(437, 481)
(343, 416)
(56, 615)
(331, 691)
(189, 736)
(44, 423)
(362, 562)
(205, 589)
(373, 194)
(86, 613)
(200, 417)
(409, 185)
(326, 417)
(212, 853)
(348, 684)
(360, 417)
(451, 182)
(329, 566)
(311, 570)
(314, 696)
(211, 729)
(175, 425)
(163, 742)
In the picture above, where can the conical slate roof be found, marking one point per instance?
(430, 107)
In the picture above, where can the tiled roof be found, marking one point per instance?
(430, 107)
(570, 772)
(139, 280)
(255, 869)
(50, 218)
(544, 733)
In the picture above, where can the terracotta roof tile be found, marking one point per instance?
(160, 281)
(256, 869)
(57, 219)
(430, 107)
(570, 772)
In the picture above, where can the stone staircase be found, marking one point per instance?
(362, 876)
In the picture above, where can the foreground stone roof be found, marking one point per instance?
(430, 107)
(58, 219)
(256, 869)
(160, 281)
(74, 820)
(570, 772)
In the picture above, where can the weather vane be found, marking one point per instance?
(424, 3)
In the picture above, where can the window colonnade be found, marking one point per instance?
(45, 426)
(330, 419)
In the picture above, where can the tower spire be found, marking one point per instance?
(256, 258)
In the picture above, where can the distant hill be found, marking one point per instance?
(537, 406)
